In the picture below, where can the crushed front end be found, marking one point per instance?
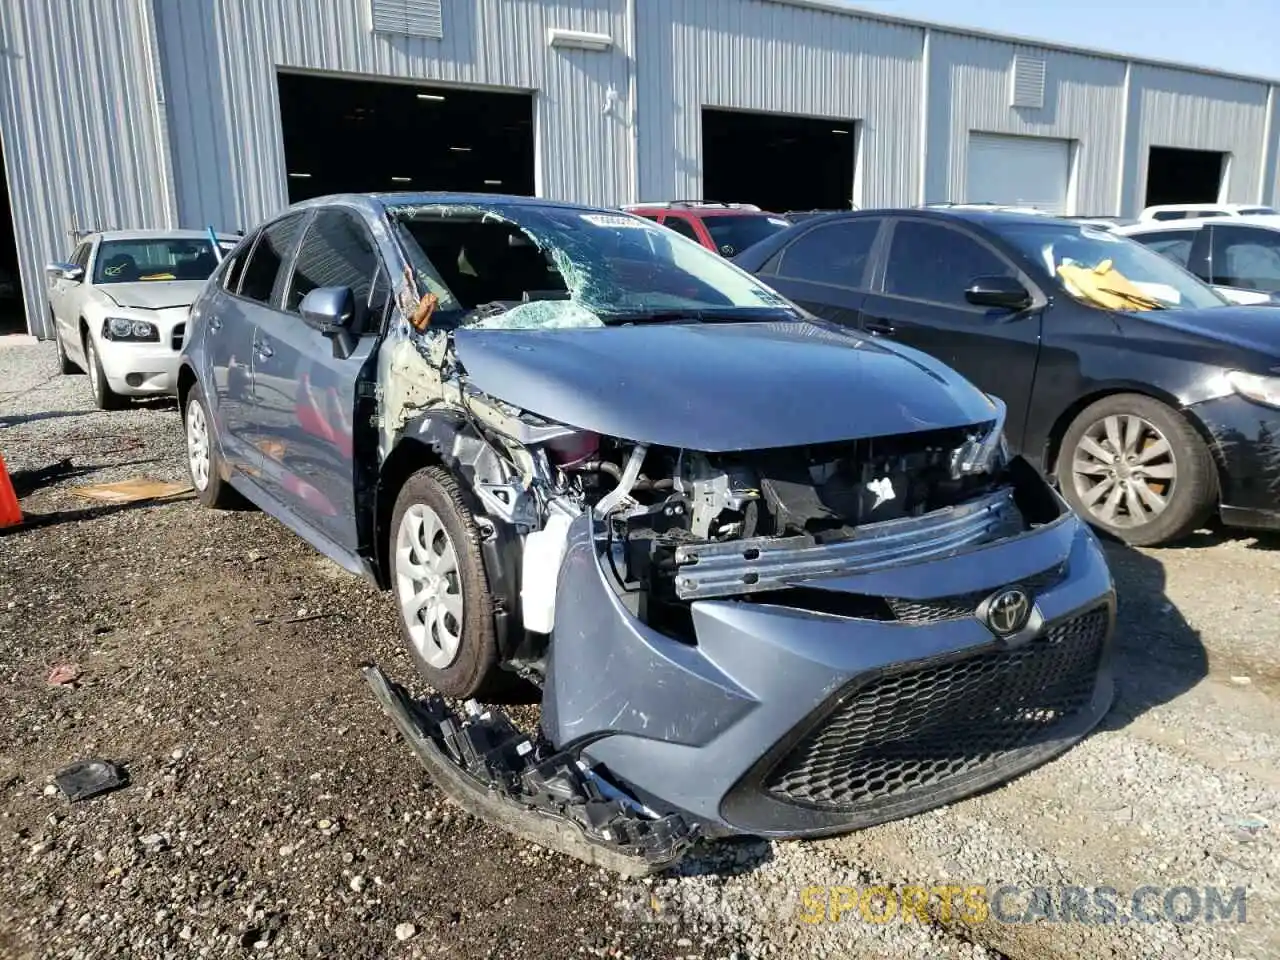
(751, 608)
(772, 666)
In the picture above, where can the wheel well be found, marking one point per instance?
(186, 380)
(1063, 423)
(406, 459)
(84, 330)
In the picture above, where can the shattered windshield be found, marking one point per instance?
(567, 267)
(1105, 269)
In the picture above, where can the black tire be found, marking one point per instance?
(1190, 494)
(474, 669)
(217, 493)
(103, 395)
(65, 366)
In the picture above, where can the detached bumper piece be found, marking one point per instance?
(493, 771)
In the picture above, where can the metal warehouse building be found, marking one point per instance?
(124, 113)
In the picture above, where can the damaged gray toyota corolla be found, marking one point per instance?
(770, 578)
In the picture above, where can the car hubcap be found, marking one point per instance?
(198, 445)
(428, 586)
(1124, 471)
(91, 358)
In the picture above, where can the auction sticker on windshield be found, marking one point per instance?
(609, 220)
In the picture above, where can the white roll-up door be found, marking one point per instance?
(1021, 171)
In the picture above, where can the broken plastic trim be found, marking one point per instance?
(490, 769)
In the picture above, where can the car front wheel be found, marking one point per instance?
(103, 395)
(441, 589)
(1135, 468)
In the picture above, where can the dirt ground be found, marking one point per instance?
(271, 812)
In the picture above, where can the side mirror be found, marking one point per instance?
(1004, 292)
(332, 311)
(64, 271)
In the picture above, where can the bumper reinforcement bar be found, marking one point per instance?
(493, 771)
(751, 566)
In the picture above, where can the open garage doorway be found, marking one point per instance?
(12, 315)
(360, 136)
(1184, 176)
(776, 161)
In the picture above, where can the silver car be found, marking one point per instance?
(120, 305)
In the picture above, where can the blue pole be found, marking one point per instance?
(213, 238)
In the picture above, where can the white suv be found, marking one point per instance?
(1191, 211)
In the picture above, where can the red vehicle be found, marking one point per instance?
(727, 228)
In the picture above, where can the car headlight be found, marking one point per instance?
(1259, 389)
(122, 328)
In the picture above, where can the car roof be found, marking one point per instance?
(378, 203)
(158, 234)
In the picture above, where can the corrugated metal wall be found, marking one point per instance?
(1171, 108)
(165, 112)
(221, 57)
(83, 142)
(756, 55)
(969, 90)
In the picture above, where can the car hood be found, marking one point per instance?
(1253, 327)
(153, 294)
(720, 387)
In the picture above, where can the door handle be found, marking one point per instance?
(878, 327)
(264, 349)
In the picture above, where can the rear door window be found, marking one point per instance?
(264, 269)
(835, 254)
(337, 251)
(1246, 257)
(934, 263)
(1174, 244)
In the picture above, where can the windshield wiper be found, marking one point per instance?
(697, 315)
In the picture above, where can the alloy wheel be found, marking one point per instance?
(429, 586)
(1124, 471)
(198, 453)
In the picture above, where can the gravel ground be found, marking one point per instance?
(271, 812)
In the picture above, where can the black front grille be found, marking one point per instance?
(179, 334)
(961, 605)
(916, 732)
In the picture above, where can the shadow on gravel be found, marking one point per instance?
(16, 419)
(1158, 655)
(1217, 534)
(32, 521)
(729, 857)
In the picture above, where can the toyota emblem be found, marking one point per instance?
(1008, 611)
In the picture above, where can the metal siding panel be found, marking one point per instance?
(1199, 112)
(1083, 102)
(237, 50)
(82, 139)
(755, 55)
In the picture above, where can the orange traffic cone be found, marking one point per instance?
(10, 512)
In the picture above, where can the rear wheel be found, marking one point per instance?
(65, 366)
(204, 462)
(1135, 468)
(440, 584)
(103, 395)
